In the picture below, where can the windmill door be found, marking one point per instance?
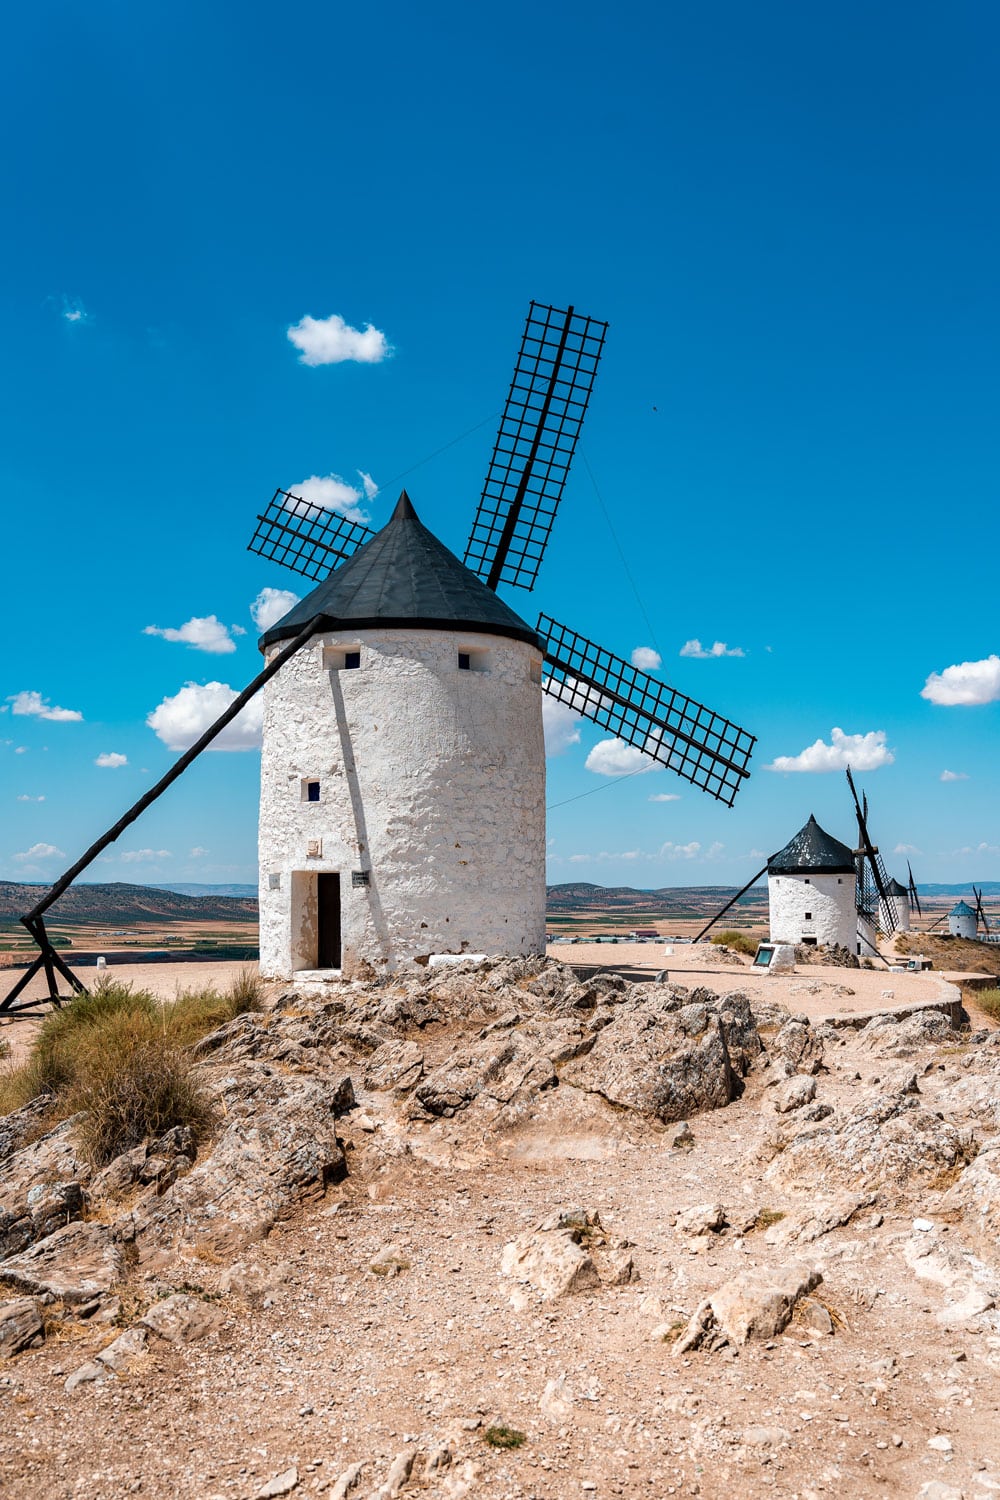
(328, 922)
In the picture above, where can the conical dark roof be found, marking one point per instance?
(812, 849)
(895, 889)
(403, 577)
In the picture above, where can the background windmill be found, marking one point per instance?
(981, 916)
(536, 440)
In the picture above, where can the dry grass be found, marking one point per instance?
(988, 1001)
(740, 942)
(121, 1057)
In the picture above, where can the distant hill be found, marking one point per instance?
(190, 888)
(581, 895)
(121, 903)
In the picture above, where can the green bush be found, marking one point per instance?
(741, 942)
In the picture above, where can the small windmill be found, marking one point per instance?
(874, 898)
(537, 438)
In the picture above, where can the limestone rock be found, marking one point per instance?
(668, 1060)
(126, 1347)
(757, 1304)
(77, 1263)
(703, 1219)
(346, 1482)
(41, 1188)
(798, 1044)
(890, 1142)
(395, 1065)
(888, 1036)
(824, 1215)
(21, 1326)
(794, 1093)
(553, 1262)
(181, 1319)
(281, 1484)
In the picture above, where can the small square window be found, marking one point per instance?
(464, 661)
(274, 882)
(352, 659)
(806, 881)
(809, 916)
(341, 658)
(310, 790)
(473, 661)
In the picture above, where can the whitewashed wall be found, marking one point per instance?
(431, 777)
(962, 926)
(829, 899)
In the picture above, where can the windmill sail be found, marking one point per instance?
(541, 421)
(875, 901)
(305, 537)
(675, 731)
(914, 897)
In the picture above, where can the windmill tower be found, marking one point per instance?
(962, 920)
(901, 896)
(811, 891)
(402, 804)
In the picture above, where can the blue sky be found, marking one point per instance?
(788, 214)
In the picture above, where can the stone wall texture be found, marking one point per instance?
(829, 900)
(431, 778)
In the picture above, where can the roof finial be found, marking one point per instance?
(404, 509)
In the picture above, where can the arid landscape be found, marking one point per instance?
(496, 1231)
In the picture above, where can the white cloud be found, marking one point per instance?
(72, 310)
(706, 653)
(561, 726)
(23, 797)
(197, 852)
(111, 760)
(331, 492)
(954, 776)
(21, 750)
(203, 632)
(238, 629)
(40, 851)
(966, 683)
(862, 752)
(180, 720)
(606, 854)
(646, 659)
(331, 341)
(143, 856)
(683, 851)
(34, 705)
(665, 797)
(615, 758)
(270, 606)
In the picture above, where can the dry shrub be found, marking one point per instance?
(988, 1001)
(133, 1083)
(740, 942)
(197, 1012)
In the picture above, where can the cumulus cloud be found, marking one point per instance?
(966, 683)
(646, 659)
(203, 632)
(331, 341)
(605, 854)
(180, 720)
(862, 752)
(615, 758)
(35, 706)
(40, 851)
(72, 310)
(954, 776)
(143, 856)
(907, 849)
(683, 851)
(23, 797)
(707, 653)
(332, 492)
(197, 852)
(270, 606)
(665, 797)
(561, 726)
(111, 760)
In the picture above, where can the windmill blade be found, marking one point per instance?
(869, 855)
(541, 421)
(980, 911)
(304, 537)
(686, 737)
(914, 898)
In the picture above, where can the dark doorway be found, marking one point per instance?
(328, 921)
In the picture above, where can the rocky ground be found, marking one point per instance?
(659, 1241)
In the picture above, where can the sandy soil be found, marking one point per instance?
(333, 1365)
